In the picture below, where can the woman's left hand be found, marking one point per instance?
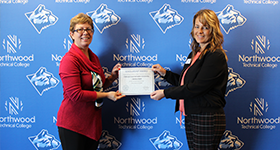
(114, 75)
(115, 70)
(157, 95)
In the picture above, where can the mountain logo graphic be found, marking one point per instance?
(230, 18)
(108, 142)
(166, 141)
(166, 18)
(230, 142)
(42, 80)
(44, 141)
(104, 18)
(41, 18)
(234, 81)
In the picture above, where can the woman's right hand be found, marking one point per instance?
(157, 95)
(159, 70)
(114, 96)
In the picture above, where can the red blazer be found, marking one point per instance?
(77, 111)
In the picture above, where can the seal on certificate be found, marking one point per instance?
(125, 88)
(146, 88)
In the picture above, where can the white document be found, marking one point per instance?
(136, 81)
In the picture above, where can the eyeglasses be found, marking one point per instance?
(81, 31)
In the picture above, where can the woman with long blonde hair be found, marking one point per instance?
(200, 88)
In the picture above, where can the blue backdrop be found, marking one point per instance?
(137, 33)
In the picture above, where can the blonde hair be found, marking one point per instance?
(81, 18)
(208, 17)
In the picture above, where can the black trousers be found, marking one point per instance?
(71, 140)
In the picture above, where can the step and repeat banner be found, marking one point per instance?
(34, 37)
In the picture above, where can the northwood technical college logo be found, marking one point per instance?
(258, 107)
(135, 43)
(12, 44)
(260, 44)
(14, 105)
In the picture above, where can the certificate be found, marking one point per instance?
(136, 81)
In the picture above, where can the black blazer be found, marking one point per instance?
(204, 84)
